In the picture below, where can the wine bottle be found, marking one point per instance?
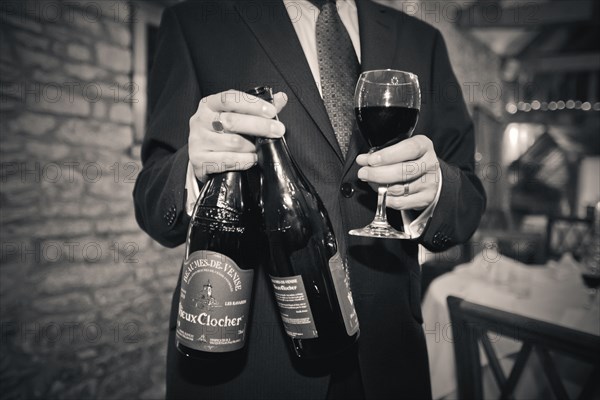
(218, 270)
(309, 277)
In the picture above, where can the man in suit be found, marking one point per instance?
(207, 48)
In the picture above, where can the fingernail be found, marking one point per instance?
(277, 129)
(374, 159)
(363, 174)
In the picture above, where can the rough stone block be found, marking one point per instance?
(34, 41)
(99, 110)
(92, 207)
(64, 181)
(11, 90)
(121, 112)
(58, 100)
(64, 228)
(10, 105)
(107, 188)
(54, 209)
(113, 11)
(79, 52)
(85, 72)
(119, 294)
(95, 134)
(48, 81)
(26, 197)
(136, 152)
(63, 33)
(117, 225)
(10, 142)
(114, 92)
(10, 71)
(67, 303)
(6, 51)
(47, 151)
(21, 21)
(14, 214)
(113, 58)
(33, 124)
(143, 273)
(119, 33)
(88, 21)
(37, 59)
(80, 276)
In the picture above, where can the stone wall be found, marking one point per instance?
(84, 293)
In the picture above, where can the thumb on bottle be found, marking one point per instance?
(279, 101)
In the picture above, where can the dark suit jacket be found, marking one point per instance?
(207, 47)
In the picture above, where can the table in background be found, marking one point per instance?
(553, 293)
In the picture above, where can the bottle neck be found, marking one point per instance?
(220, 207)
(274, 158)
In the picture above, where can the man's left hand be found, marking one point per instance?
(411, 162)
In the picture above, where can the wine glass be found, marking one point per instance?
(590, 272)
(387, 104)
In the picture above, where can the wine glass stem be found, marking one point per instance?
(380, 215)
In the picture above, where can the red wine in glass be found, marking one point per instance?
(386, 126)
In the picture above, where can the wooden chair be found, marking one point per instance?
(567, 234)
(470, 325)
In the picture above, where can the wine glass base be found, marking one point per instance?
(378, 231)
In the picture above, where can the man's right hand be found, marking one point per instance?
(241, 114)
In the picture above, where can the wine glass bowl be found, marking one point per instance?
(386, 104)
(590, 275)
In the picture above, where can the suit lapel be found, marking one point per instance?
(280, 42)
(378, 44)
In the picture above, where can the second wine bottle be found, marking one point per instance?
(310, 280)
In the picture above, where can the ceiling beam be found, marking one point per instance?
(528, 15)
(563, 63)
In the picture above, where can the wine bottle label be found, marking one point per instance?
(341, 281)
(292, 301)
(214, 303)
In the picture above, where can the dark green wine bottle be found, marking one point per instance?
(309, 277)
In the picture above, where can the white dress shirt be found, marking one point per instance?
(303, 15)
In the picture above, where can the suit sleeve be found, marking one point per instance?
(462, 198)
(174, 93)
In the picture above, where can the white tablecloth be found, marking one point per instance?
(554, 293)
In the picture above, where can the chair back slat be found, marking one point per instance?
(551, 374)
(492, 359)
(515, 374)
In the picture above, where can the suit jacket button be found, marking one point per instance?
(347, 190)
